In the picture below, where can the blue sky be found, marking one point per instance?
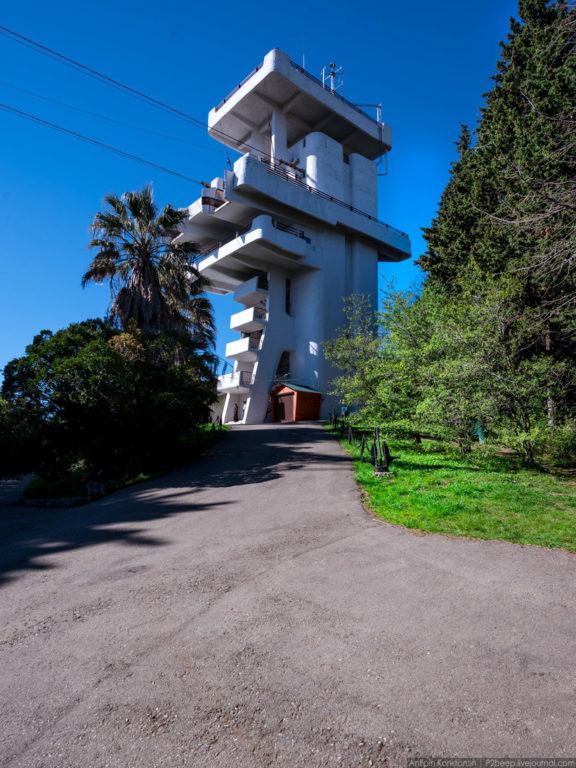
(428, 63)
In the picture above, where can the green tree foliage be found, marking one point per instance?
(354, 353)
(442, 365)
(152, 278)
(107, 402)
(499, 192)
(494, 340)
(114, 403)
(490, 342)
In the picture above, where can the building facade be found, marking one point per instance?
(291, 230)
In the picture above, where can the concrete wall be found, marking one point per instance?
(363, 184)
(343, 266)
(254, 185)
(325, 167)
(217, 408)
(345, 245)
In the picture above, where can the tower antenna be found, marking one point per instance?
(378, 108)
(333, 75)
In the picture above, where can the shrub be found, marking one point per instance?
(562, 444)
(105, 398)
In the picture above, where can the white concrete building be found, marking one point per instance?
(291, 230)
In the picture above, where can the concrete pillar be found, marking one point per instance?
(279, 136)
(257, 144)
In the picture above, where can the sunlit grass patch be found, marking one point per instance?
(484, 495)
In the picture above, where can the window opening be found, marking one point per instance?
(288, 297)
(283, 369)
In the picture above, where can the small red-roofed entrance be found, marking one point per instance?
(294, 402)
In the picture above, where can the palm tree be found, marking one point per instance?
(153, 281)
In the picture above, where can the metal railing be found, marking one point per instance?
(236, 379)
(310, 77)
(237, 89)
(291, 230)
(341, 98)
(279, 170)
(377, 451)
(215, 245)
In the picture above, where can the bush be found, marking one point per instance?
(20, 447)
(119, 403)
(69, 485)
(562, 444)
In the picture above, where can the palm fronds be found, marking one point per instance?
(153, 280)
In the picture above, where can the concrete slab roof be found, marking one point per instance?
(280, 84)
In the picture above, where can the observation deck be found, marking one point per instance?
(280, 85)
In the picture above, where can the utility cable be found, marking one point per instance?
(111, 119)
(115, 83)
(68, 132)
(94, 73)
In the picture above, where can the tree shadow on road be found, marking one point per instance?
(245, 456)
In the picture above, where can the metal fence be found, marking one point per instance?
(291, 230)
(337, 95)
(373, 449)
(235, 379)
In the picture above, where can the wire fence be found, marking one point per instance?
(373, 449)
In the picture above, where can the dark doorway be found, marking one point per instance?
(284, 407)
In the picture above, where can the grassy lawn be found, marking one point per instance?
(484, 495)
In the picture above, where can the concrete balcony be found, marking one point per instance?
(252, 319)
(239, 381)
(256, 181)
(252, 293)
(267, 241)
(245, 349)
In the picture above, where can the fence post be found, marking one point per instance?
(379, 467)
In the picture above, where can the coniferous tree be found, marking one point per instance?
(491, 203)
(509, 206)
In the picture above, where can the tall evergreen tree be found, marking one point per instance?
(509, 205)
(488, 212)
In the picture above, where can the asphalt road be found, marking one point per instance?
(248, 612)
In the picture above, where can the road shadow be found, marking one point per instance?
(245, 456)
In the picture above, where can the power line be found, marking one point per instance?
(115, 83)
(111, 119)
(99, 144)
(100, 75)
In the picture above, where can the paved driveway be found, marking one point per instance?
(247, 612)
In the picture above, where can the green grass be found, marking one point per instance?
(484, 495)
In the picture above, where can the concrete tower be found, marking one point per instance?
(291, 230)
